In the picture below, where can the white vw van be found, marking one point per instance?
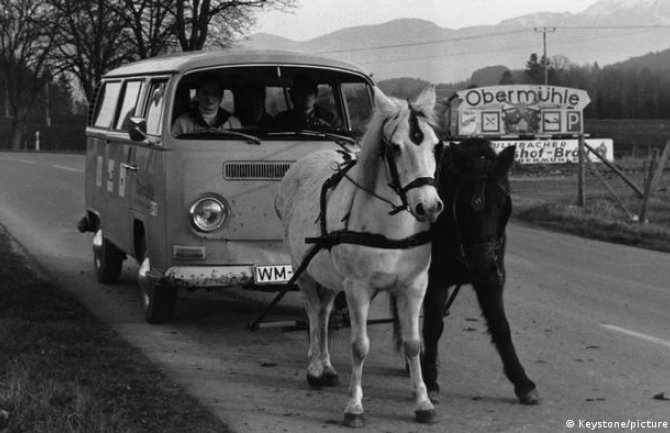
(197, 210)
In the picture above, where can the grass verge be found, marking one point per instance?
(547, 198)
(62, 371)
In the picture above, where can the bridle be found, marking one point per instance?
(484, 170)
(395, 183)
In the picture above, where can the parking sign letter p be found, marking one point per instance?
(574, 121)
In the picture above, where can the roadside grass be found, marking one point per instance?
(62, 371)
(552, 203)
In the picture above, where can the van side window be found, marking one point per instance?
(106, 104)
(154, 111)
(131, 93)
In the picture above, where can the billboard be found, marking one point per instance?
(520, 110)
(556, 151)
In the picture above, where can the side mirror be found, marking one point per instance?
(138, 129)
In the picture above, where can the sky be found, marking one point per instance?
(312, 18)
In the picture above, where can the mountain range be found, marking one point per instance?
(606, 32)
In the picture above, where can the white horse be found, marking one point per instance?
(396, 164)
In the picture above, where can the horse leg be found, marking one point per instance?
(318, 304)
(358, 301)
(490, 297)
(409, 309)
(433, 326)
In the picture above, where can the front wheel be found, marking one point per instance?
(107, 259)
(158, 300)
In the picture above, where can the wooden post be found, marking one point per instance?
(648, 175)
(580, 173)
(660, 166)
(614, 168)
(620, 202)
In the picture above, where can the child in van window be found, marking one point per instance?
(207, 112)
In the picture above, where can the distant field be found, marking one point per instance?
(547, 196)
(632, 137)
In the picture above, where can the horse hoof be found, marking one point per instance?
(315, 382)
(330, 379)
(354, 420)
(326, 379)
(425, 416)
(434, 396)
(530, 398)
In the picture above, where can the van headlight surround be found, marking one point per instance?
(208, 213)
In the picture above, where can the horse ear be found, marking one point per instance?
(425, 102)
(383, 102)
(505, 159)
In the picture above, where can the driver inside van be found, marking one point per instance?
(207, 113)
(305, 113)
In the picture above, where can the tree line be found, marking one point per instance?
(635, 89)
(619, 91)
(42, 41)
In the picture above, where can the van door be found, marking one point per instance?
(104, 146)
(146, 173)
(125, 148)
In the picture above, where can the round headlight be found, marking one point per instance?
(208, 214)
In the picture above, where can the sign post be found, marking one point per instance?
(581, 171)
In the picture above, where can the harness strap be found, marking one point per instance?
(328, 240)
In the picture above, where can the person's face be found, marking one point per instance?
(303, 100)
(209, 97)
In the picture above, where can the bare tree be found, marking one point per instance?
(196, 20)
(26, 42)
(93, 38)
(152, 23)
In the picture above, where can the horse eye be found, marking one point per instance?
(396, 148)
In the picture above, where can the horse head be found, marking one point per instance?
(407, 144)
(475, 189)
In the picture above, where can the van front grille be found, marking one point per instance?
(255, 170)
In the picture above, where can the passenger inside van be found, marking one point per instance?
(207, 113)
(250, 105)
(305, 114)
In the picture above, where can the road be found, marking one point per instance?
(590, 321)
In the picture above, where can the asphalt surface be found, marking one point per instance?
(590, 322)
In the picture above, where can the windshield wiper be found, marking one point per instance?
(251, 139)
(338, 138)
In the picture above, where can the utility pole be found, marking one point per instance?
(545, 60)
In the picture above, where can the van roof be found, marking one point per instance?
(209, 58)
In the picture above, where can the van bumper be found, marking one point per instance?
(213, 277)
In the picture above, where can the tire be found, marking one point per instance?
(107, 259)
(158, 300)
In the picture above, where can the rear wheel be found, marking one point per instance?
(107, 259)
(158, 299)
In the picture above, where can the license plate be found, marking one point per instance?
(272, 274)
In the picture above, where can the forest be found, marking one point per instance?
(638, 88)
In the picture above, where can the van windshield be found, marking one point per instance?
(271, 102)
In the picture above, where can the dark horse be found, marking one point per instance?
(468, 247)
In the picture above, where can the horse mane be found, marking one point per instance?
(371, 142)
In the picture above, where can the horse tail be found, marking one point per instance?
(397, 331)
